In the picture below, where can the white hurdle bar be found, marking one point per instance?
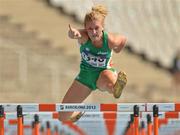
(120, 107)
(94, 116)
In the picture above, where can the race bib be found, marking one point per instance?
(95, 61)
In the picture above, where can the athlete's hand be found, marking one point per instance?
(74, 33)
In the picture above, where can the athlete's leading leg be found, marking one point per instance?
(112, 82)
(77, 93)
(106, 80)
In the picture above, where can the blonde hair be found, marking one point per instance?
(98, 12)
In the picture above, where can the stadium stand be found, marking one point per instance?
(25, 52)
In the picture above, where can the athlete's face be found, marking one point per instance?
(94, 29)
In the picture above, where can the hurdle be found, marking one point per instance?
(121, 118)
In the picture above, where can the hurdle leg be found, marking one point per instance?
(1, 120)
(19, 120)
(155, 122)
(149, 125)
(136, 120)
(48, 129)
(36, 125)
(142, 128)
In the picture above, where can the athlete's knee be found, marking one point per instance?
(106, 87)
(110, 87)
(105, 74)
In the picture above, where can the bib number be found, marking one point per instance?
(95, 61)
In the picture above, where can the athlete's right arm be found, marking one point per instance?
(79, 34)
(74, 33)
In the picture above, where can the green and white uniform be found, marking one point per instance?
(93, 61)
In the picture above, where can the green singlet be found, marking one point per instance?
(93, 61)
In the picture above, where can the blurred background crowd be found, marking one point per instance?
(38, 61)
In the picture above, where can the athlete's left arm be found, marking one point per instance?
(116, 42)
